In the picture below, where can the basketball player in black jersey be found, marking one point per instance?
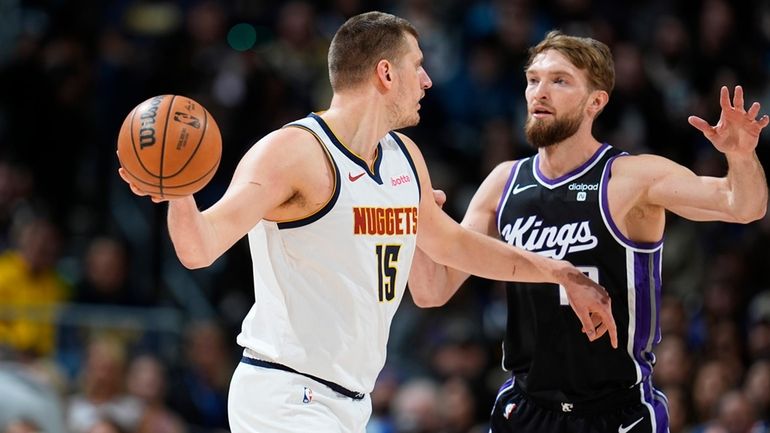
(587, 202)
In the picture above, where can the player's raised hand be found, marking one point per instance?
(591, 303)
(737, 130)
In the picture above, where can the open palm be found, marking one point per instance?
(737, 130)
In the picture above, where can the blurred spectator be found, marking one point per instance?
(757, 388)
(106, 425)
(105, 275)
(674, 363)
(29, 402)
(199, 391)
(31, 289)
(737, 415)
(710, 383)
(22, 426)
(417, 407)
(679, 411)
(759, 326)
(146, 380)
(101, 394)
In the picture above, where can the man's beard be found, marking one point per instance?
(400, 118)
(542, 133)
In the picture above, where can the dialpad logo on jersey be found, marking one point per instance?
(554, 241)
(583, 187)
(384, 220)
(400, 180)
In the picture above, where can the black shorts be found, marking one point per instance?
(634, 411)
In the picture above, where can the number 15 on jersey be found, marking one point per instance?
(387, 261)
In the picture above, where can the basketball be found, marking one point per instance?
(169, 146)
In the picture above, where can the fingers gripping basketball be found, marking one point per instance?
(169, 146)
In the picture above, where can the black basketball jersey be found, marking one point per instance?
(568, 218)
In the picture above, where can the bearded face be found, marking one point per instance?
(555, 129)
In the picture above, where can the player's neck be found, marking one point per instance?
(359, 122)
(561, 158)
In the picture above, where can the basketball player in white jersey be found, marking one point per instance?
(332, 205)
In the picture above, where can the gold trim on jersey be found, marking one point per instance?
(335, 169)
(370, 166)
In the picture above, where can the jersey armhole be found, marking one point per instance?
(513, 174)
(315, 215)
(409, 160)
(609, 222)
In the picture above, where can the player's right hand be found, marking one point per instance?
(591, 303)
(136, 190)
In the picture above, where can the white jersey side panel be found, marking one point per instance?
(326, 287)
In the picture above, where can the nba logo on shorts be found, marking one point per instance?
(308, 395)
(581, 196)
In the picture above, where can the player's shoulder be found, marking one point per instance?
(288, 141)
(502, 171)
(640, 164)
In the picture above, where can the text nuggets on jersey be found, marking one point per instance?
(385, 221)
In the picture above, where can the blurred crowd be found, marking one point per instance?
(102, 331)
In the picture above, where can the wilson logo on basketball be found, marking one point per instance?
(400, 180)
(147, 122)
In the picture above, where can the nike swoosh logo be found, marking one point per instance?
(622, 429)
(517, 189)
(356, 177)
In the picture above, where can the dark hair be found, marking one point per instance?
(587, 54)
(361, 42)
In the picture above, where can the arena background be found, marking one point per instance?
(96, 311)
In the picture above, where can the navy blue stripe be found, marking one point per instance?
(274, 365)
(353, 157)
(328, 207)
(409, 159)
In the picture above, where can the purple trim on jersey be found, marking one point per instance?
(657, 261)
(643, 313)
(504, 195)
(574, 172)
(655, 399)
(606, 209)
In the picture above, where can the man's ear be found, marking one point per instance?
(385, 73)
(596, 102)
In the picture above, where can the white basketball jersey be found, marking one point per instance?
(327, 286)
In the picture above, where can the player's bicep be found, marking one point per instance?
(263, 180)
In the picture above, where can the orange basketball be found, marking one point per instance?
(170, 146)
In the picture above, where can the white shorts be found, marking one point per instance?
(266, 400)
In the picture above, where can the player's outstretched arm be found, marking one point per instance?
(263, 180)
(433, 284)
(741, 196)
(448, 243)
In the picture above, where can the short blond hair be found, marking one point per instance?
(586, 54)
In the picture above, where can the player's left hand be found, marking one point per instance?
(591, 303)
(737, 131)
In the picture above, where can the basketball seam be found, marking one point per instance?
(140, 180)
(197, 147)
(163, 145)
(213, 168)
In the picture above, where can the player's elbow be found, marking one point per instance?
(427, 295)
(427, 301)
(752, 214)
(193, 260)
